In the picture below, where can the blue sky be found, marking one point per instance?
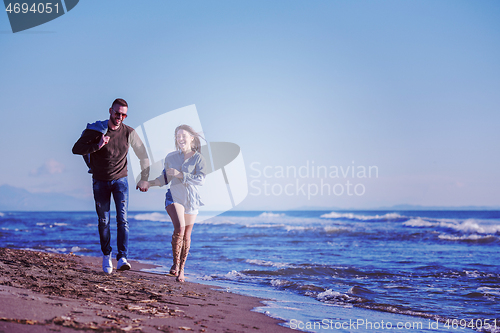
(410, 87)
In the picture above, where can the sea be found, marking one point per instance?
(320, 271)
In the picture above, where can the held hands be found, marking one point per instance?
(143, 186)
(175, 173)
(104, 141)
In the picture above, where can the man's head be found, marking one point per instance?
(118, 112)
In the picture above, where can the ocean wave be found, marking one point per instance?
(471, 225)
(2, 214)
(56, 224)
(472, 237)
(473, 274)
(271, 214)
(349, 300)
(233, 275)
(267, 263)
(281, 283)
(298, 228)
(489, 291)
(306, 289)
(50, 249)
(357, 290)
(157, 217)
(331, 230)
(17, 229)
(216, 222)
(79, 249)
(418, 222)
(334, 297)
(355, 217)
(61, 250)
(265, 225)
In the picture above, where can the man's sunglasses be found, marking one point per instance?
(124, 115)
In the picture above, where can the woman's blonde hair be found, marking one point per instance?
(196, 145)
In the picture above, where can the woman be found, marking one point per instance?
(184, 170)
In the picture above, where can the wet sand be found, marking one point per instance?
(46, 292)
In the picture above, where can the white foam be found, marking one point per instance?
(488, 290)
(216, 222)
(159, 217)
(473, 237)
(271, 214)
(233, 275)
(265, 225)
(259, 222)
(60, 224)
(330, 229)
(473, 274)
(329, 293)
(467, 226)
(54, 250)
(2, 214)
(297, 228)
(418, 222)
(267, 263)
(280, 283)
(472, 225)
(29, 249)
(351, 216)
(77, 249)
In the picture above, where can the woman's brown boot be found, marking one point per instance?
(176, 253)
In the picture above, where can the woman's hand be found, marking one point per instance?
(175, 173)
(154, 183)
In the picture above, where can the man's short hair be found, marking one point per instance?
(119, 101)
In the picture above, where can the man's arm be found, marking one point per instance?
(141, 152)
(90, 142)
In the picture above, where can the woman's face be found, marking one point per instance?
(184, 139)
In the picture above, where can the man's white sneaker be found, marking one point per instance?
(107, 264)
(123, 265)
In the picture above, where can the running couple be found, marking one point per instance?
(104, 146)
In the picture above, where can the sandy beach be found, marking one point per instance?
(46, 292)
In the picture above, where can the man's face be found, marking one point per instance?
(117, 114)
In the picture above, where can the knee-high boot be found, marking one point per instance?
(176, 253)
(185, 251)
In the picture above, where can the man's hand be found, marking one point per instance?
(142, 185)
(104, 141)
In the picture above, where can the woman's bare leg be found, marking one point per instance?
(176, 213)
(186, 245)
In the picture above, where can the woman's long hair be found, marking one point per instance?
(196, 144)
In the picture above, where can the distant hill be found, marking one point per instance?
(403, 207)
(418, 207)
(18, 199)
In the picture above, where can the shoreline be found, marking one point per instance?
(70, 293)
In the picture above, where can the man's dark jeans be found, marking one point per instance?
(102, 197)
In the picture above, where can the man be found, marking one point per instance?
(107, 143)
